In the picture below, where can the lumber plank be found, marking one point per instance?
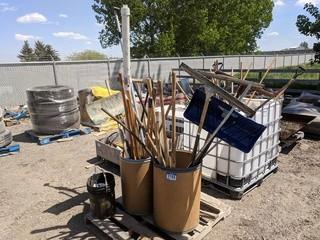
(133, 224)
(255, 86)
(230, 79)
(215, 203)
(109, 228)
(224, 94)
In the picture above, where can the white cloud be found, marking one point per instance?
(88, 42)
(303, 2)
(71, 35)
(278, 2)
(273, 34)
(5, 7)
(62, 15)
(23, 37)
(32, 18)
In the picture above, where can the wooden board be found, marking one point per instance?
(220, 91)
(125, 226)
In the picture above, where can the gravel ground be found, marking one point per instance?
(43, 194)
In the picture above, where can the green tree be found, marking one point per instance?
(43, 52)
(311, 28)
(190, 27)
(51, 52)
(26, 53)
(87, 55)
(40, 51)
(304, 45)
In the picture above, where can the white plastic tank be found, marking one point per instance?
(229, 161)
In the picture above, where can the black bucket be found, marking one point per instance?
(102, 196)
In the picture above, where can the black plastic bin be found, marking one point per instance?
(102, 197)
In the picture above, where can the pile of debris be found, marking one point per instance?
(300, 117)
(232, 135)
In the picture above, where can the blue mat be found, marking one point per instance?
(238, 131)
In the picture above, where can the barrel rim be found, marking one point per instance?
(137, 161)
(49, 88)
(178, 170)
(109, 185)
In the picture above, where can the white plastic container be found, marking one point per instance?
(180, 121)
(229, 161)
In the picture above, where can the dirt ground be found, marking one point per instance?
(43, 194)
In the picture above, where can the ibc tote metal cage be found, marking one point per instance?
(227, 168)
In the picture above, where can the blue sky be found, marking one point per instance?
(70, 25)
(282, 32)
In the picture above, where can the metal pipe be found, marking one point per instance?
(54, 71)
(125, 26)
(125, 30)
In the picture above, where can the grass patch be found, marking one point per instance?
(308, 76)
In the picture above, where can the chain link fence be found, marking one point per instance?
(16, 78)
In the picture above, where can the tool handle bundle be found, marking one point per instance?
(145, 129)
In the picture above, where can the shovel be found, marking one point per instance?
(211, 136)
(239, 131)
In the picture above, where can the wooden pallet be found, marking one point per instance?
(288, 144)
(237, 193)
(46, 139)
(125, 226)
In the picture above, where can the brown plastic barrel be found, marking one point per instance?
(136, 183)
(176, 195)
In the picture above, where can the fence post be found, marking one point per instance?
(54, 71)
(179, 65)
(202, 60)
(298, 59)
(305, 57)
(283, 61)
(253, 58)
(291, 60)
(239, 62)
(148, 59)
(265, 62)
(109, 74)
(223, 61)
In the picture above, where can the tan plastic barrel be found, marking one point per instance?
(85, 97)
(136, 183)
(176, 195)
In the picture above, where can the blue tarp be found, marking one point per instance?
(238, 131)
